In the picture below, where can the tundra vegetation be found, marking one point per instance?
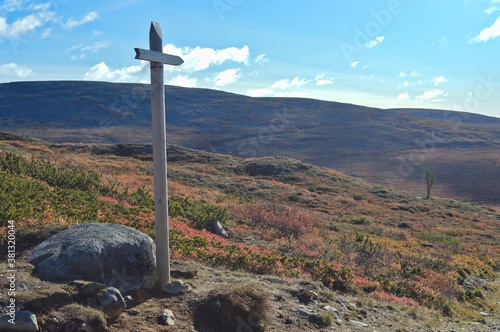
(284, 217)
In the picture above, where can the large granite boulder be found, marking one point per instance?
(115, 255)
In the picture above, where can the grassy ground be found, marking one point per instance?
(284, 217)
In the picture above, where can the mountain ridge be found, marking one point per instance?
(371, 143)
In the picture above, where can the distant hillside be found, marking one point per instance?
(389, 147)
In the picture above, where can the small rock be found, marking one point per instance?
(176, 287)
(358, 324)
(167, 317)
(133, 312)
(330, 308)
(484, 314)
(52, 324)
(112, 302)
(404, 201)
(277, 281)
(84, 327)
(428, 245)
(21, 287)
(404, 225)
(25, 321)
(219, 230)
(303, 313)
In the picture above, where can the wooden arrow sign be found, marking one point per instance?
(142, 54)
(156, 58)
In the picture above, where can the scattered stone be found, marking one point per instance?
(52, 324)
(330, 308)
(112, 254)
(21, 287)
(84, 327)
(112, 302)
(303, 313)
(25, 321)
(404, 201)
(404, 225)
(341, 303)
(484, 314)
(219, 230)
(167, 317)
(358, 324)
(277, 281)
(428, 245)
(133, 312)
(176, 287)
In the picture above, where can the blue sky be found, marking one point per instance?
(381, 53)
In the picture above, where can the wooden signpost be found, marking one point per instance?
(157, 58)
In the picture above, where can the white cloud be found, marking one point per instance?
(227, 76)
(184, 81)
(491, 10)
(95, 47)
(72, 23)
(259, 92)
(11, 5)
(440, 41)
(285, 83)
(375, 42)
(428, 95)
(405, 84)
(354, 64)
(488, 33)
(402, 74)
(403, 96)
(293, 94)
(101, 72)
(322, 82)
(25, 25)
(12, 69)
(438, 80)
(261, 59)
(414, 74)
(201, 58)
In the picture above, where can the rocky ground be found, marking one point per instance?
(224, 300)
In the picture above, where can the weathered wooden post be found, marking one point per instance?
(157, 58)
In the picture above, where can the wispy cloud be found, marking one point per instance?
(286, 83)
(25, 25)
(13, 69)
(403, 96)
(491, 10)
(406, 84)
(201, 58)
(429, 95)
(402, 74)
(227, 76)
(185, 81)
(354, 64)
(73, 23)
(321, 80)
(11, 5)
(261, 59)
(440, 41)
(438, 80)
(488, 33)
(259, 92)
(375, 42)
(101, 72)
